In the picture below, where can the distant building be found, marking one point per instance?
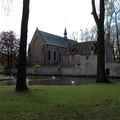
(108, 50)
(81, 53)
(46, 49)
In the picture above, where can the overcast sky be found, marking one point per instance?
(50, 16)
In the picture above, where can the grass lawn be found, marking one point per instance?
(84, 102)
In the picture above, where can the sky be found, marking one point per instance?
(51, 16)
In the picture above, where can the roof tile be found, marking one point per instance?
(55, 40)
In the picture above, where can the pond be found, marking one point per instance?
(52, 80)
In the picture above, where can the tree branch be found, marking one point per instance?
(102, 10)
(94, 12)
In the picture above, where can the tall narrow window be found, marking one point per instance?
(92, 48)
(87, 57)
(59, 56)
(55, 55)
(49, 55)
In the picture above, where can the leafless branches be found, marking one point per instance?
(6, 5)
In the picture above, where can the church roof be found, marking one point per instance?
(55, 40)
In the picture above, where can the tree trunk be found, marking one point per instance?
(100, 54)
(8, 59)
(101, 77)
(117, 36)
(21, 75)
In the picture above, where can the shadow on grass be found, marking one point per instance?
(26, 91)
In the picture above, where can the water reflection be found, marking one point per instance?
(58, 80)
(8, 82)
(54, 80)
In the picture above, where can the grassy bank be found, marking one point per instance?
(85, 102)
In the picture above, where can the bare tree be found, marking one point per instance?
(74, 35)
(99, 19)
(21, 75)
(9, 47)
(6, 4)
(89, 35)
(112, 17)
(116, 10)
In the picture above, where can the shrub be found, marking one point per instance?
(2, 66)
(36, 66)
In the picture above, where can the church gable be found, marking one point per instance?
(37, 36)
(35, 53)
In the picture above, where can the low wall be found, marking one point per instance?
(114, 71)
(35, 71)
(71, 71)
(44, 71)
(5, 71)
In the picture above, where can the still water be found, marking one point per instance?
(52, 80)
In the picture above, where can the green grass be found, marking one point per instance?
(85, 102)
(2, 66)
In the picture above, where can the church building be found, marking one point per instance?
(46, 49)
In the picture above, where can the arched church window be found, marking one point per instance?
(49, 55)
(55, 55)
